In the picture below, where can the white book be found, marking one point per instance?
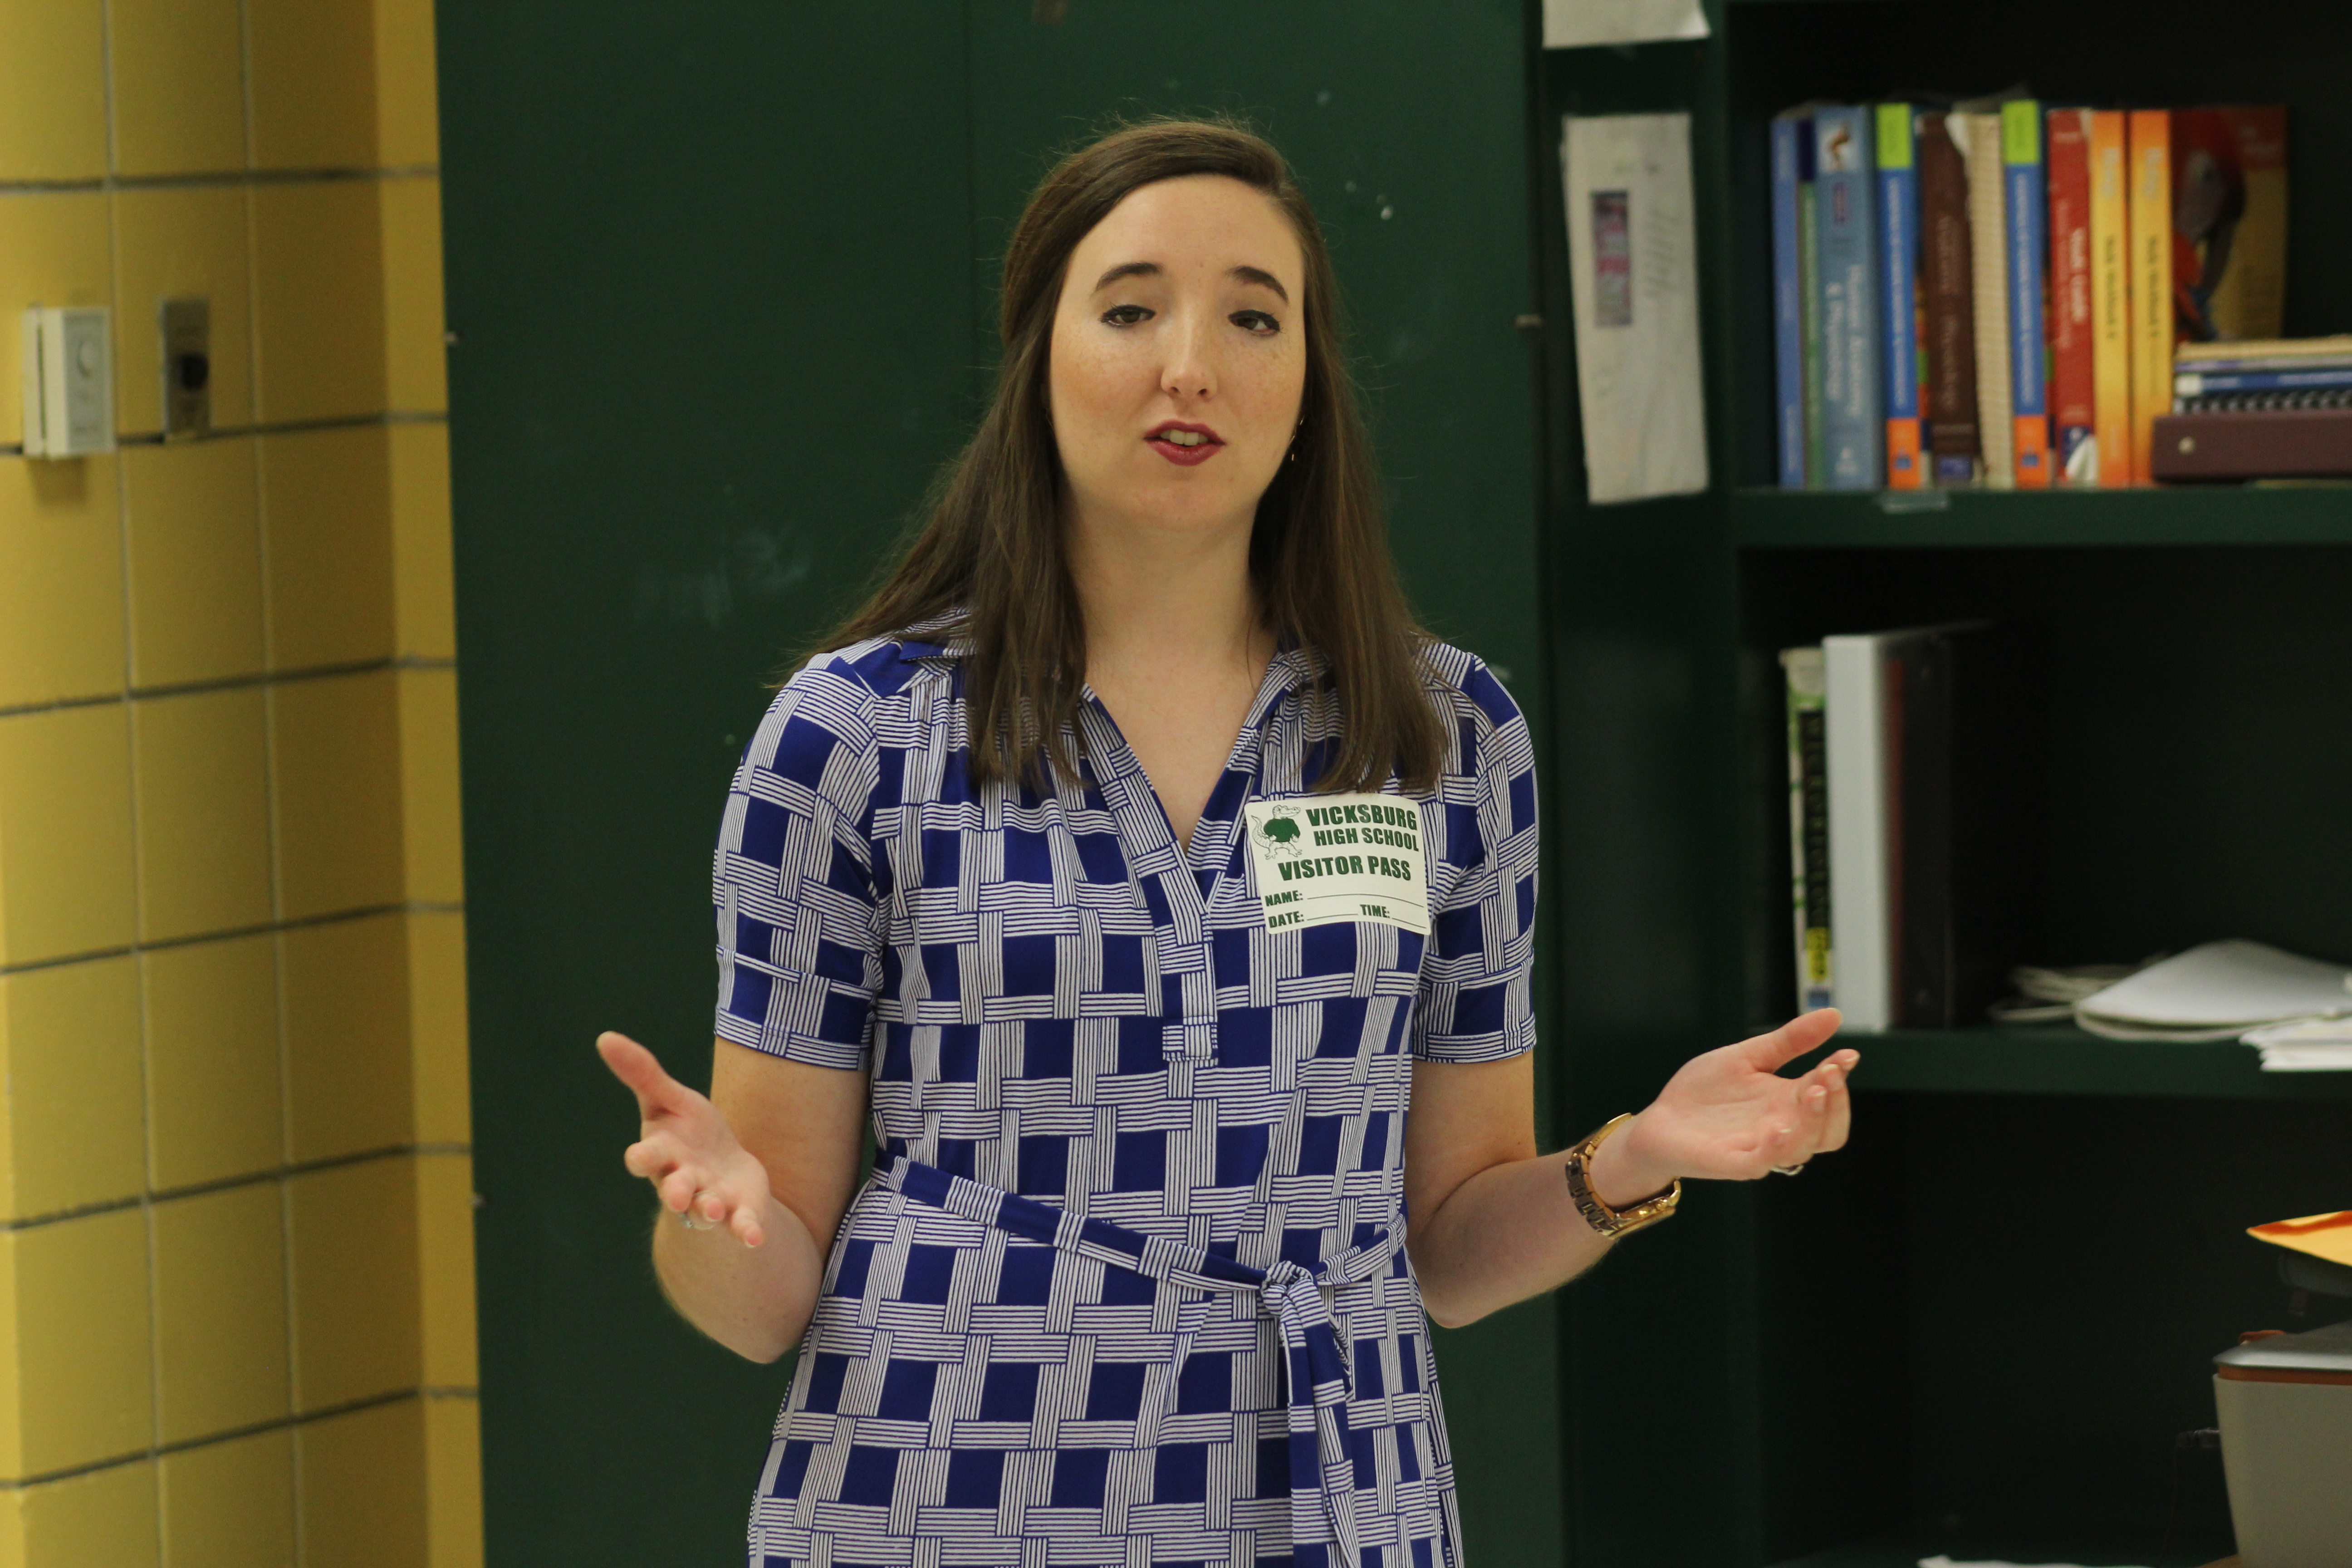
(1861, 931)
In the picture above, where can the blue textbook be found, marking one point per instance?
(1854, 410)
(1790, 160)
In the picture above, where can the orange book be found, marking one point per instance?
(2111, 377)
(2150, 137)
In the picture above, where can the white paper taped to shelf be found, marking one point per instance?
(1632, 252)
(1572, 24)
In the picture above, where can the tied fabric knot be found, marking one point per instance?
(1321, 1442)
(1321, 1447)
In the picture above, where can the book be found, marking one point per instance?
(1976, 131)
(2027, 214)
(1790, 128)
(2313, 443)
(1962, 818)
(2149, 198)
(2201, 383)
(1809, 825)
(2275, 354)
(1854, 679)
(1808, 283)
(2228, 206)
(2111, 300)
(1948, 293)
(2074, 372)
(1898, 249)
(2260, 402)
(1844, 178)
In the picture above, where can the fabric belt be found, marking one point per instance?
(1322, 1458)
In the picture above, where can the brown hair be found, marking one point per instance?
(991, 551)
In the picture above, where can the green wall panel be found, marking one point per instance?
(701, 373)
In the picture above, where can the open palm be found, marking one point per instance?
(1729, 1116)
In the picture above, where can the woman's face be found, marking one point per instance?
(1178, 356)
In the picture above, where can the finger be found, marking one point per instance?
(679, 1188)
(641, 1071)
(745, 1223)
(1841, 1118)
(1772, 1051)
(652, 1158)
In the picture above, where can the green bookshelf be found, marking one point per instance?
(2042, 520)
(1979, 1328)
(2062, 1059)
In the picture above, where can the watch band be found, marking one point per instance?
(1604, 1219)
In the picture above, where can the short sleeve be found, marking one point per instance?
(1476, 1001)
(793, 888)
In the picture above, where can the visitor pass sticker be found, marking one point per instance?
(1327, 857)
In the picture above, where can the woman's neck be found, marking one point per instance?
(1175, 649)
(1173, 600)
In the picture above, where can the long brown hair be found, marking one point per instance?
(992, 550)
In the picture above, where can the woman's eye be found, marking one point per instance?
(1125, 315)
(1256, 322)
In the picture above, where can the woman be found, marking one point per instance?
(1134, 864)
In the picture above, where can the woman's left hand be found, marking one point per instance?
(1729, 1116)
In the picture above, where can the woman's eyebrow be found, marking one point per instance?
(1246, 274)
(1260, 276)
(1127, 269)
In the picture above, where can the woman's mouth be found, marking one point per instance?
(1184, 444)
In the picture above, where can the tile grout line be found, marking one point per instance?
(423, 1392)
(217, 179)
(388, 419)
(282, 1174)
(138, 867)
(302, 923)
(228, 682)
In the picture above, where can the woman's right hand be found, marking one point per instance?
(686, 1148)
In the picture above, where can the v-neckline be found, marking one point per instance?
(1205, 862)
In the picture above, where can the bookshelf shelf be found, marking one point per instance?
(1905, 1550)
(2062, 1059)
(2234, 515)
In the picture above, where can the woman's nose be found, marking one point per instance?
(1191, 369)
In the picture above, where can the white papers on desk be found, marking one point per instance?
(1570, 23)
(2218, 992)
(2314, 1044)
(1632, 251)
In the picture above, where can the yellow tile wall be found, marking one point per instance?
(237, 1312)
(193, 533)
(203, 770)
(61, 610)
(65, 880)
(216, 1107)
(229, 1505)
(71, 1125)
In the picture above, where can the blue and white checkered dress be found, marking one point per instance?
(1128, 1286)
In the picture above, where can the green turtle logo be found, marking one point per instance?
(1280, 830)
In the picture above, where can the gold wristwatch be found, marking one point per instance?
(1609, 1222)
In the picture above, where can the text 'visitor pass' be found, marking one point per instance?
(1326, 858)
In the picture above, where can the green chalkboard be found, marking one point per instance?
(719, 279)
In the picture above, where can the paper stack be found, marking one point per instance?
(2315, 1045)
(2297, 1010)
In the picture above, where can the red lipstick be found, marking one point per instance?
(1183, 454)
